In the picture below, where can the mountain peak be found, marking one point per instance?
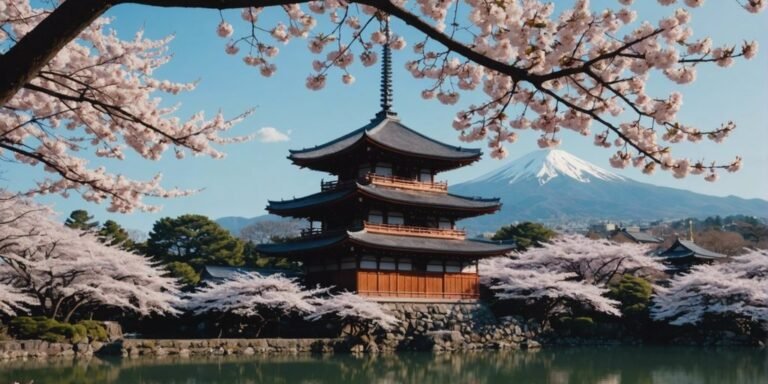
(545, 165)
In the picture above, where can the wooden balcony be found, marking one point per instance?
(404, 183)
(311, 232)
(403, 230)
(334, 184)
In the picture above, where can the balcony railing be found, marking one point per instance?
(389, 181)
(404, 183)
(404, 230)
(334, 184)
(311, 232)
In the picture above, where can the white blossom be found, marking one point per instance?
(735, 287)
(66, 269)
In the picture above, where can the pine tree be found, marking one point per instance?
(195, 240)
(525, 234)
(111, 233)
(80, 219)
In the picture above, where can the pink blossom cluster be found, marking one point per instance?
(254, 295)
(571, 268)
(736, 287)
(99, 93)
(77, 270)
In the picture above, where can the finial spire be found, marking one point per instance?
(386, 73)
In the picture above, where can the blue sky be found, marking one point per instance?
(253, 172)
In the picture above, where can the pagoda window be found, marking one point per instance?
(331, 265)
(368, 262)
(348, 263)
(375, 217)
(453, 266)
(404, 264)
(444, 223)
(395, 218)
(363, 170)
(384, 169)
(469, 267)
(435, 266)
(387, 264)
(425, 176)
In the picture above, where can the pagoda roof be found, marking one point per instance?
(428, 245)
(387, 132)
(392, 242)
(640, 237)
(303, 245)
(313, 200)
(684, 249)
(392, 195)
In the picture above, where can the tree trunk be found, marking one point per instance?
(25, 59)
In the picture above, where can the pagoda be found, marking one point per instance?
(384, 227)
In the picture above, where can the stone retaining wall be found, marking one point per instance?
(423, 327)
(39, 349)
(451, 327)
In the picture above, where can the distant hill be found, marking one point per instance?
(555, 186)
(234, 224)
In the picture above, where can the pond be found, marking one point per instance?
(604, 365)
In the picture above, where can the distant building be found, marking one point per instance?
(217, 274)
(634, 235)
(683, 255)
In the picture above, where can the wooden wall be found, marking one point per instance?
(417, 284)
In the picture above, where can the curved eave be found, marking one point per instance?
(395, 137)
(302, 245)
(313, 201)
(459, 205)
(430, 199)
(428, 245)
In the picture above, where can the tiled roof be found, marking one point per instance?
(643, 237)
(387, 131)
(683, 248)
(429, 245)
(215, 272)
(424, 245)
(398, 196)
(302, 245)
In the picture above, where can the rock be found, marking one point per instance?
(114, 330)
(530, 344)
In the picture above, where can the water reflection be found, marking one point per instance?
(553, 366)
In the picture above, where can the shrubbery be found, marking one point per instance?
(43, 328)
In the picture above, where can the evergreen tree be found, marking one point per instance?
(184, 273)
(525, 234)
(195, 240)
(80, 219)
(111, 233)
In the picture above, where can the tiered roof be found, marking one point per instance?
(385, 139)
(368, 239)
(682, 249)
(387, 133)
(458, 205)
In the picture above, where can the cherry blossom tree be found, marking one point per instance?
(12, 300)
(595, 262)
(550, 291)
(735, 288)
(539, 67)
(571, 270)
(253, 296)
(357, 314)
(66, 270)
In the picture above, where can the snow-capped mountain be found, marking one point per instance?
(546, 165)
(554, 186)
